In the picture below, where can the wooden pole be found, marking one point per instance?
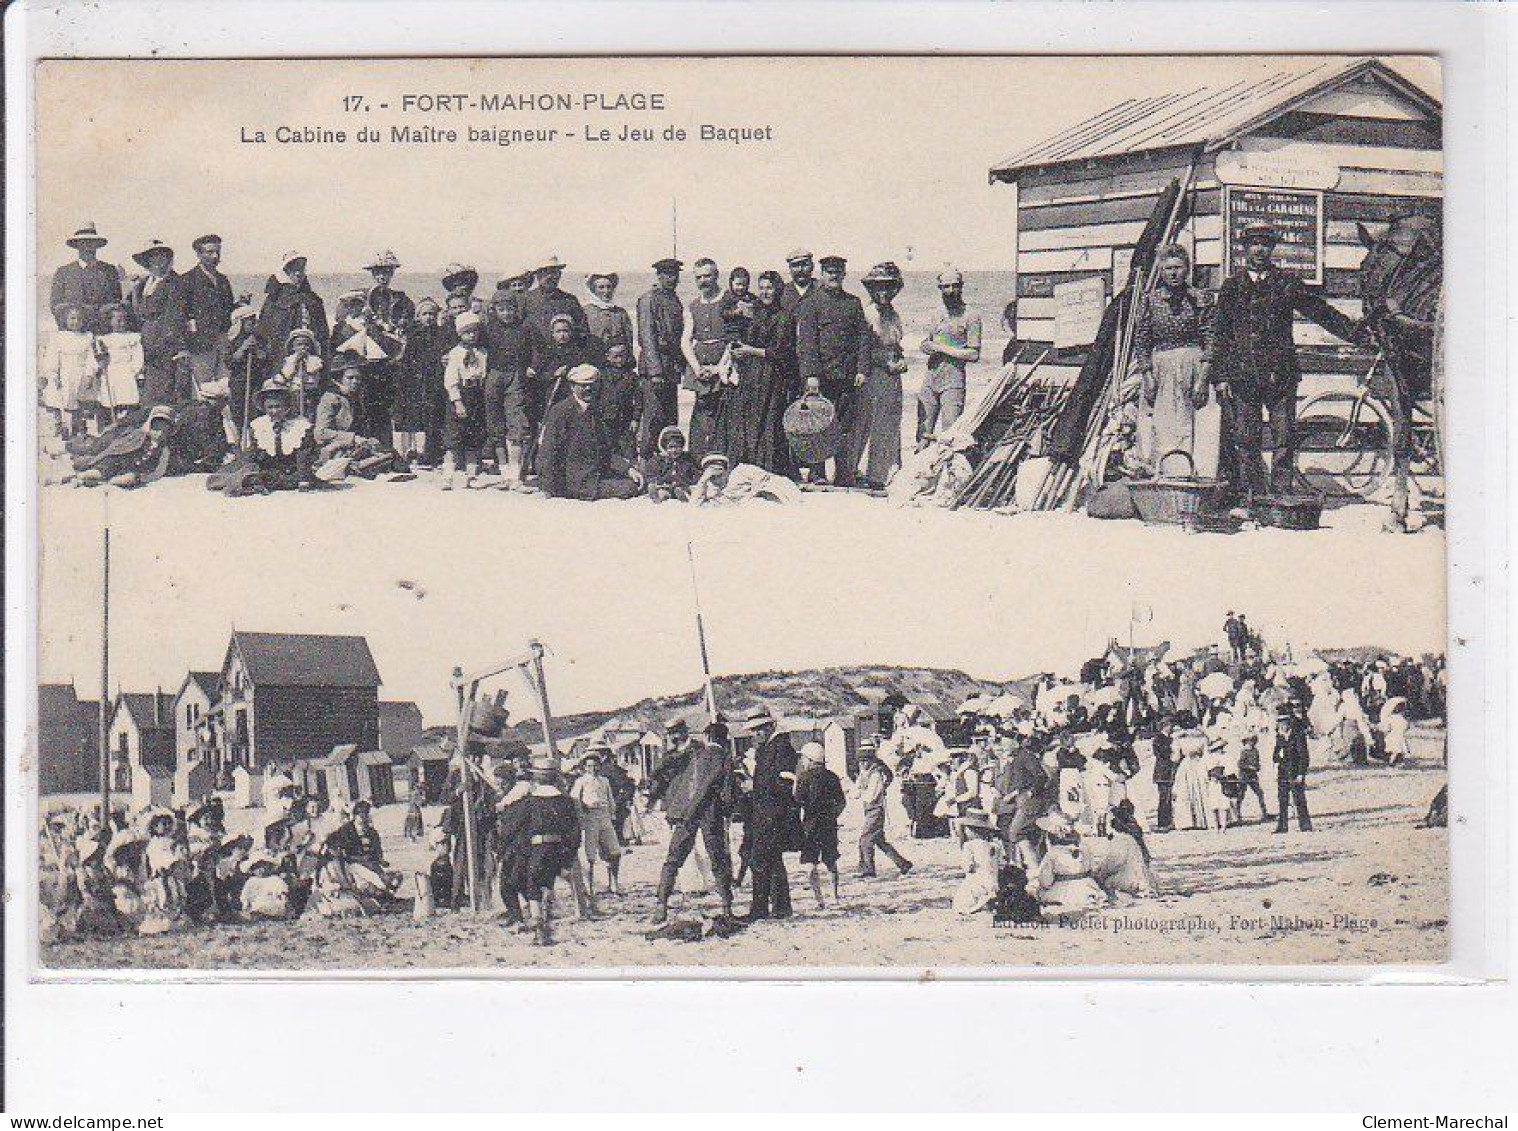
(466, 788)
(706, 666)
(540, 685)
(105, 689)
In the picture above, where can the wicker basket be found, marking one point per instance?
(1290, 512)
(1172, 500)
(811, 428)
(1214, 522)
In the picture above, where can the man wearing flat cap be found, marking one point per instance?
(208, 303)
(89, 282)
(575, 459)
(1253, 362)
(800, 265)
(661, 363)
(834, 344)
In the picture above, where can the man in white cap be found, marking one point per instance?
(575, 460)
(800, 264)
(953, 342)
(290, 303)
(89, 282)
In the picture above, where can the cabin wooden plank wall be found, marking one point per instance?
(1078, 221)
(307, 722)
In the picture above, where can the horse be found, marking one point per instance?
(1401, 286)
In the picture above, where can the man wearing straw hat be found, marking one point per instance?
(158, 305)
(775, 819)
(89, 282)
(546, 300)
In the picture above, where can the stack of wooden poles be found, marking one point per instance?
(1067, 485)
(1035, 406)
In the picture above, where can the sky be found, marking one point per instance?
(872, 158)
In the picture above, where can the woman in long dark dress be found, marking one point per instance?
(765, 356)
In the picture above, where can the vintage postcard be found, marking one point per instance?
(851, 513)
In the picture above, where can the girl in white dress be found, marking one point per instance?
(124, 364)
(70, 371)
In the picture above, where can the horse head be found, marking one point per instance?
(1402, 272)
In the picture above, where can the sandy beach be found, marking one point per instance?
(1366, 887)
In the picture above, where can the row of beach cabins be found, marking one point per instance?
(306, 707)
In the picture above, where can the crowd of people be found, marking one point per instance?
(1052, 791)
(526, 387)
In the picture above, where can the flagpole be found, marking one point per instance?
(466, 787)
(105, 687)
(706, 665)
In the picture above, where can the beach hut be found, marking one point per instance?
(291, 696)
(68, 740)
(428, 771)
(193, 781)
(375, 774)
(247, 788)
(152, 786)
(1315, 147)
(400, 729)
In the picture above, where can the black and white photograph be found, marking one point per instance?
(521, 518)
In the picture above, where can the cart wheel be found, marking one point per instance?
(1344, 444)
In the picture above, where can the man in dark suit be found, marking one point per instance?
(1291, 759)
(802, 285)
(575, 460)
(698, 797)
(775, 820)
(89, 282)
(833, 342)
(661, 364)
(1253, 361)
(208, 308)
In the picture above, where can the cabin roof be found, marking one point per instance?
(283, 659)
(206, 681)
(139, 704)
(1204, 117)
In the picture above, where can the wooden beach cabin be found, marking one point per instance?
(68, 740)
(287, 696)
(428, 772)
(1313, 146)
